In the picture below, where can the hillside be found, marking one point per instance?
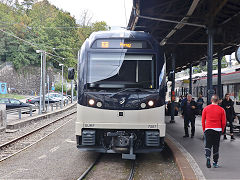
(31, 25)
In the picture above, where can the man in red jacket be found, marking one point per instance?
(213, 124)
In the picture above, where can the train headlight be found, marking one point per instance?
(143, 105)
(99, 104)
(150, 103)
(91, 102)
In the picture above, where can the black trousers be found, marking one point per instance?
(186, 123)
(212, 140)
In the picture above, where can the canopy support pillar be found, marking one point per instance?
(173, 88)
(190, 79)
(219, 86)
(210, 90)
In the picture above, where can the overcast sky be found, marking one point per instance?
(110, 11)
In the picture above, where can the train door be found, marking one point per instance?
(237, 88)
(215, 89)
(225, 89)
(231, 91)
(201, 90)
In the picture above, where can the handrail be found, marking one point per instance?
(32, 108)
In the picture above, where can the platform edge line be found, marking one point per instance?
(192, 163)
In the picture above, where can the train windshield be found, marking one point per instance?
(120, 70)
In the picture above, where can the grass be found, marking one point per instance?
(15, 96)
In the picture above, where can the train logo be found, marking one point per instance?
(122, 101)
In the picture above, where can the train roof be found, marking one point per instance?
(188, 42)
(120, 34)
(215, 72)
(125, 34)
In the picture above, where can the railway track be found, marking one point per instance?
(131, 175)
(89, 169)
(85, 173)
(16, 145)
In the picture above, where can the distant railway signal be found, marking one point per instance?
(71, 73)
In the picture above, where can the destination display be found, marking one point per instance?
(120, 44)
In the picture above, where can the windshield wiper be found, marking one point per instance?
(134, 90)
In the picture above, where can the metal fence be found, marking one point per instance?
(29, 110)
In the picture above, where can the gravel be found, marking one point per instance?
(5, 136)
(156, 166)
(28, 140)
(110, 166)
(152, 166)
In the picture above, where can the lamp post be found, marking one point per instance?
(62, 81)
(40, 98)
(48, 89)
(66, 88)
(71, 91)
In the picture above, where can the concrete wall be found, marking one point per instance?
(3, 115)
(26, 80)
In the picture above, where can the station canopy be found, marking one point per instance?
(181, 26)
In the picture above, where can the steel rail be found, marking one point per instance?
(32, 132)
(85, 173)
(88, 170)
(132, 171)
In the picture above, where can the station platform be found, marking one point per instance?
(193, 150)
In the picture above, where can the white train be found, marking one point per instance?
(121, 94)
(230, 83)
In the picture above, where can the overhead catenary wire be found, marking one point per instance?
(124, 4)
(10, 34)
(33, 45)
(44, 27)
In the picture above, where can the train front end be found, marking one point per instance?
(121, 94)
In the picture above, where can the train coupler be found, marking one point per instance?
(130, 155)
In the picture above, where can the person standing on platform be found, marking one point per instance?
(228, 106)
(180, 99)
(169, 107)
(200, 102)
(213, 123)
(180, 102)
(189, 108)
(184, 99)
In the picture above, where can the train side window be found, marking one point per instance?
(225, 90)
(238, 93)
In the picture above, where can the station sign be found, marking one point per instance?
(186, 81)
(3, 88)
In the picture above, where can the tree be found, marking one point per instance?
(100, 26)
(199, 68)
(27, 4)
(45, 26)
(85, 19)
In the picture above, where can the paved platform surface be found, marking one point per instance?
(55, 157)
(229, 160)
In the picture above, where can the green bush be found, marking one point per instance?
(58, 87)
(69, 92)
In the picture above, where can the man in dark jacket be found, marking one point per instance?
(228, 106)
(189, 108)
